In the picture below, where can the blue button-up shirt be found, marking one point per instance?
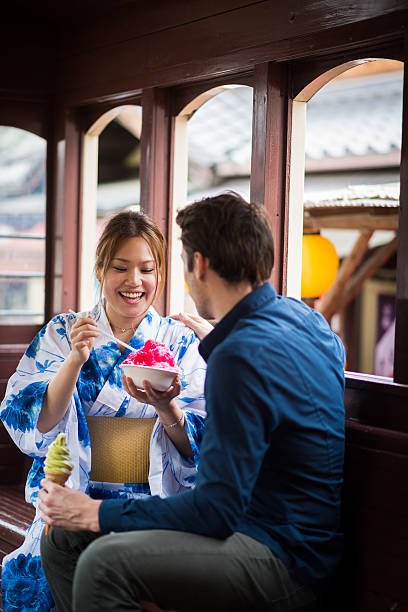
(271, 458)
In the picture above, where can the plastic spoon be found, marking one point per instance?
(110, 336)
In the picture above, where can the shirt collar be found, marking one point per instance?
(251, 302)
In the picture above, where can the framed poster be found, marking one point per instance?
(377, 327)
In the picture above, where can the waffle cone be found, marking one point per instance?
(60, 478)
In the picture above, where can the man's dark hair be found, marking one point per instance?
(234, 234)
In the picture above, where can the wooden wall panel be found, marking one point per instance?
(376, 402)
(13, 463)
(219, 44)
(374, 511)
(142, 19)
(28, 60)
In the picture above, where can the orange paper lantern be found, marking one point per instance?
(319, 265)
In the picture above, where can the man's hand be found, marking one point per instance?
(68, 508)
(201, 327)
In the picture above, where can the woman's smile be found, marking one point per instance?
(132, 297)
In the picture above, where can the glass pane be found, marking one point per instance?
(119, 163)
(219, 149)
(353, 147)
(118, 169)
(22, 227)
(220, 144)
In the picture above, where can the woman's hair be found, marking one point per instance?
(130, 224)
(234, 235)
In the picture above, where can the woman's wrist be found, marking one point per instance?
(74, 361)
(180, 421)
(171, 416)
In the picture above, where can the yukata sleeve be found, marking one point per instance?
(171, 472)
(26, 388)
(191, 399)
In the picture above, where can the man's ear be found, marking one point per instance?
(200, 266)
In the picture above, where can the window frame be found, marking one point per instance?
(31, 117)
(307, 77)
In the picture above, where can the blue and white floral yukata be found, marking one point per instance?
(99, 392)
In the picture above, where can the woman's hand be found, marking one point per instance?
(61, 388)
(171, 416)
(161, 400)
(83, 334)
(201, 327)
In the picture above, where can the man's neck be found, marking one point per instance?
(226, 296)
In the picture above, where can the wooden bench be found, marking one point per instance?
(375, 510)
(375, 521)
(15, 517)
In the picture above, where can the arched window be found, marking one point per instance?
(212, 154)
(110, 182)
(350, 121)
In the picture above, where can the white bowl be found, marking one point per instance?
(159, 378)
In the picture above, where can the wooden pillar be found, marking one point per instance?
(269, 155)
(401, 328)
(54, 215)
(69, 234)
(155, 164)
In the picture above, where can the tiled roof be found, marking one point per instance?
(355, 117)
(381, 196)
(348, 117)
(221, 129)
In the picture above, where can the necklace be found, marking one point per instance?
(124, 329)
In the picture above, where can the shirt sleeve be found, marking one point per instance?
(232, 452)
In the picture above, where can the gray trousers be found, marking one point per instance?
(175, 570)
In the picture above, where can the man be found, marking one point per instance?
(261, 529)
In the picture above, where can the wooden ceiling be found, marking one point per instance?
(61, 14)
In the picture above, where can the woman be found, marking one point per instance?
(70, 376)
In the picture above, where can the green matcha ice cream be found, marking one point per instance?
(58, 460)
(57, 464)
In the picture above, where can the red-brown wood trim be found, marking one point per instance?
(17, 335)
(401, 327)
(171, 206)
(71, 215)
(56, 194)
(87, 115)
(269, 149)
(155, 165)
(31, 116)
(306, 71)
(183, 94)
(50, 229)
